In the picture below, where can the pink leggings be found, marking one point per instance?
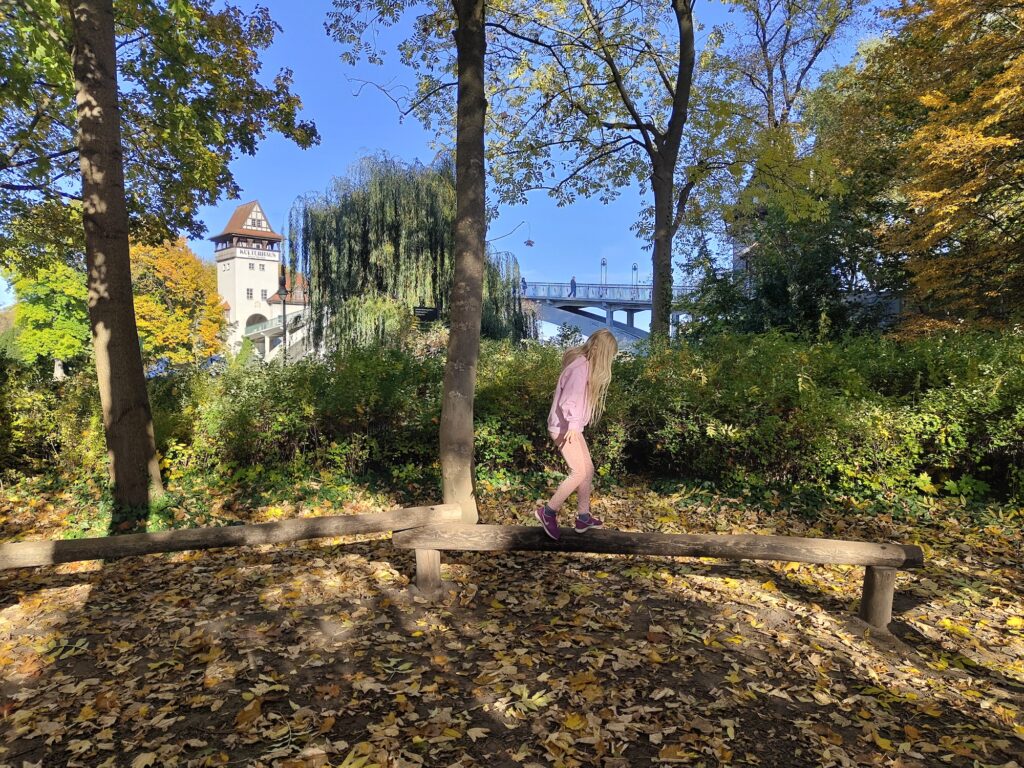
(581, 475)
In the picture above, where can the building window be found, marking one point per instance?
(263, 294)
(263, 267)
(251, 266)
(248, 293)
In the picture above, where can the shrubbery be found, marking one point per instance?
(865, 416)
(862, 415)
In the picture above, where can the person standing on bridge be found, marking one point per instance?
(524, 286)
(578, 401)
(572, 287)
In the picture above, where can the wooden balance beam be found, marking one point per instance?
(880, 560)
(24, 554)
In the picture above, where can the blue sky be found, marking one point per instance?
(568, 241)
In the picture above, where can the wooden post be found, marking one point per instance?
(876, 599)
(428, 571)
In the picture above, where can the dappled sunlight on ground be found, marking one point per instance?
(318, 653)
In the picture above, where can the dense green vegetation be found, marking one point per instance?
(379, 242)
(866, 417)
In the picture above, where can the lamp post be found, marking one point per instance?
(282, 294)
(636, 273)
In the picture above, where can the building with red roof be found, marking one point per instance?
(250, 273)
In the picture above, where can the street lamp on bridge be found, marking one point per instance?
(282, 294)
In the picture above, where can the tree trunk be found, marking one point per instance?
(127, 420)
(467, 289)
(668, 212)
(661, 260)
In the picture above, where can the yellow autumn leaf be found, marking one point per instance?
(359, 757)
(575, 721)
(882, 742)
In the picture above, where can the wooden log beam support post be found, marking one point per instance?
(876, 599)
(507, 538)
(428, 572)
(24, 554)
(880, 560)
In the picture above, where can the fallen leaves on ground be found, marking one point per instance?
(318, 654)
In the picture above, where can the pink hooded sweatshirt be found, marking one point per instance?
(569, 408)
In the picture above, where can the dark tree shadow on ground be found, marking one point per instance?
(336, 649)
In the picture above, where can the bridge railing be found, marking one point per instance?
(640, 294)
(268, 325)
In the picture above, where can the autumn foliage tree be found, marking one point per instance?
(181, 316)
(964, 161)
(138, 165)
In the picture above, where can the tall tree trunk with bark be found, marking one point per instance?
(467, 288)
(663, 190)
(670, 204)
(127, 419)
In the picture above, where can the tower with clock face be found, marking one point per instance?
(248, 256)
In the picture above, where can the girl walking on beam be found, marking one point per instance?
(578, 401)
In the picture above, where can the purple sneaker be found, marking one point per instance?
(548, 521)
(584, 524)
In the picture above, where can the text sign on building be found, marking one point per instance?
(255, 253)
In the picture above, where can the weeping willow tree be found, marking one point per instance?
(378, 243)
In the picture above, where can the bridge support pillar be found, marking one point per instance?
(631, 318)
(673, 325)
(609, 316)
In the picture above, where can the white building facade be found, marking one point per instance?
(250, 271)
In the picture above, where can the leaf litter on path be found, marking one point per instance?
(318, 654)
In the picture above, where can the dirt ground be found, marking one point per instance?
(320, 654)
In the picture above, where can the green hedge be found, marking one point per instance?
(863, 416)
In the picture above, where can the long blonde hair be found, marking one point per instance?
(600, 349)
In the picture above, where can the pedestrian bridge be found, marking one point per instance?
(589, 307)
(269, 339)
(592, 306)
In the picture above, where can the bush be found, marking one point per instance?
(866, 416)
(861, 415)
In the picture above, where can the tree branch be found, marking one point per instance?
(620, 85)
(412, 106)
